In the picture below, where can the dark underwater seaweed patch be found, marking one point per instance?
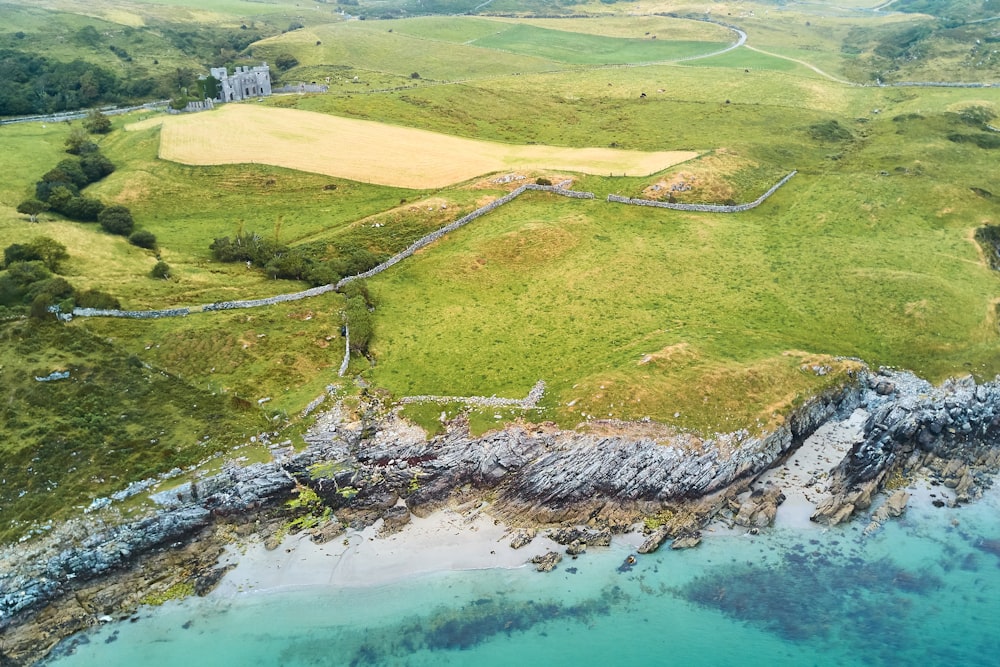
(456, 628)
(811, 596)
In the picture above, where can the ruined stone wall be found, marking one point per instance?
(269, 301)
(461, 222)
(132, 314)
(704, 208)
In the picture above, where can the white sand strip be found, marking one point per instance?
(803, 476)
(446, 540)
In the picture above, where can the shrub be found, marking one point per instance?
(95, 166)
(830, 130)
(143, 239)
(56, 194)
(161, 270)
(96, 122)
(84, 209)
(542, 181)
(93, 298)
(78, 142)
(116, 219)
(989, 239)
(42, 249)
(285, 61)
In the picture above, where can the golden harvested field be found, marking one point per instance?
(372, 152)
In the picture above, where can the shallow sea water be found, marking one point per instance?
(925, 589)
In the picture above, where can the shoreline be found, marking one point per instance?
(836, 459)
(447, 540)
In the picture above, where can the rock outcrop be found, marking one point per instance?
(952, 432)
(547, 562)
(760, 508)
(81, 552)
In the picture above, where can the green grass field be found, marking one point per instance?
(584, 49)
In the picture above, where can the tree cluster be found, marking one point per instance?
(30, 280)
(360, 306)
(310, 264)
(59, 188)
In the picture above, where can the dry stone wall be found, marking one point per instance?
(526, 403)
(461, 222)
(559, 189)
(269, 301)
(704, 208)
(133, 314)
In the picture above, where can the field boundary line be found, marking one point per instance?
(527, 403)
(559, 189)
(704, 208)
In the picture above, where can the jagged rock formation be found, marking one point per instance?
(952, 432)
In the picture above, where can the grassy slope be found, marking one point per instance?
(51, 34)
(113, 421)
(584, 49)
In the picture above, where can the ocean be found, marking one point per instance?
(922, 590)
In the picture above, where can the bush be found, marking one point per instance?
(830, 130)
(78, 142)
(42, 249)
(84, 209)
(55, 194)
(95, 166)
(359, 320)
(285, 61)
(246, 246)
(93, 298)
(96, 122)
(542, 181)
(161, 270)
(989, 239)
(143, 239)
(116, 219)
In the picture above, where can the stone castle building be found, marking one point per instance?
(244, 83)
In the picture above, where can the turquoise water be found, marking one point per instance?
(923, 590)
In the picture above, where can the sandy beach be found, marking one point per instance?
(447, 540)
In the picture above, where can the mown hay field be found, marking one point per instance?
(371, 152)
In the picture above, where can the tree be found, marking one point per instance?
(95, 166)
(49, 251)
(161, 270)
(69, 169)
(78, 142)
(116, 219)
(31, 208)
(285, 61)
(97, 123)
(84, 209)
(208, 88)
(59, 197)
(143, 239)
